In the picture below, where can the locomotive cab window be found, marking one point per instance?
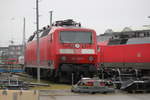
(75, 37)
(31, 38)
(45, 32)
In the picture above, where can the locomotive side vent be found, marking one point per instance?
(68, 22)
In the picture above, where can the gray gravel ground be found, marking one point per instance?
(100, 97)
(67, 95)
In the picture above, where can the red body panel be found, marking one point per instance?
(133, 53)
(112, 53)
(137, 53)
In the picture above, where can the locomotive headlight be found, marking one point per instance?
(63, 58)
(91, 58)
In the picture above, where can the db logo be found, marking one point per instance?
(77, 45)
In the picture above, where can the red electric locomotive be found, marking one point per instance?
(65, 48)
(125, 54)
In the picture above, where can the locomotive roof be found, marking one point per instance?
(68, 27)
(67, 24)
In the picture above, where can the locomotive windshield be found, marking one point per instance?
(75, 37)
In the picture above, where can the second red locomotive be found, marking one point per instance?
(125, 54)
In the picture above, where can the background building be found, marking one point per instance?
(124, 33)
(15, 51)
(3, 54)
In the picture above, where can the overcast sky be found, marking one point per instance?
(96, 14)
